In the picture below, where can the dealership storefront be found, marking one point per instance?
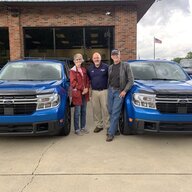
(59, 29)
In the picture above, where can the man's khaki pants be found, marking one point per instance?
(100, 111)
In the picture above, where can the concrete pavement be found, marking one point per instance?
(142, 163)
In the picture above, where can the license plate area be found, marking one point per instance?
(182, 108)
(8, 111)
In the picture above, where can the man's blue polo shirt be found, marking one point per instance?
(98, 76)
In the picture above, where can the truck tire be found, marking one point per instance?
(67, 121)
(123, 123)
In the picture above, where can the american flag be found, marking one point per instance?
(157, 40)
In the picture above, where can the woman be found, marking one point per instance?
(80, 94)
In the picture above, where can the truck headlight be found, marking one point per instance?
(47, 101)
(144, 100)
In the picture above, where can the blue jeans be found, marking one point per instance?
(80, 113)
(114, 107)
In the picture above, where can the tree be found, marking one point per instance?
(177, 59)
(189, 55)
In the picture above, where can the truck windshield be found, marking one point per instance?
(34, 71)
(157, 71)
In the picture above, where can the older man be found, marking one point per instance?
(120, 81)
(98, 75)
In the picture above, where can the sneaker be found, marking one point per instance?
(84, 130)
(110, 138)
(97, 130)
(79, 133)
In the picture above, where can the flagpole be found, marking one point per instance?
(154, 47)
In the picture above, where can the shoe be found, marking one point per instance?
(97, 130)
(79, 133)
(110, 138)
(84, 130)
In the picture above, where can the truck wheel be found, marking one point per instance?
(123, 123)
(67, 122)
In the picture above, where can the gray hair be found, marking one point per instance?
(77, 55)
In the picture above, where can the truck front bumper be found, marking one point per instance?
(45, 122)
(24, 129)
(142, 126)
(149, 120)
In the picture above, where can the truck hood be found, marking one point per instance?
(164, 87)
(28, 86)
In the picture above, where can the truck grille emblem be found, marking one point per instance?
(8, 102)
(182, 101)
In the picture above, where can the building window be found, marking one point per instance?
(39, 42)
(64, 42)
(4, 46)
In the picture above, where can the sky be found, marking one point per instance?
(169, 21)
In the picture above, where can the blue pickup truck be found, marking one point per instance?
(34, 98)
(160, 99)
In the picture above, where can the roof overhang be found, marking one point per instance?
(142, 5)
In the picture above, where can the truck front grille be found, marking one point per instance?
(18, 105)
(174, 103)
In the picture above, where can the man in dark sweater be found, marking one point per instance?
(120, 80)
(98, 75)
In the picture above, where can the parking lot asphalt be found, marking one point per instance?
(140, 163)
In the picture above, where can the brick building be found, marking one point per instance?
(59, 28)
